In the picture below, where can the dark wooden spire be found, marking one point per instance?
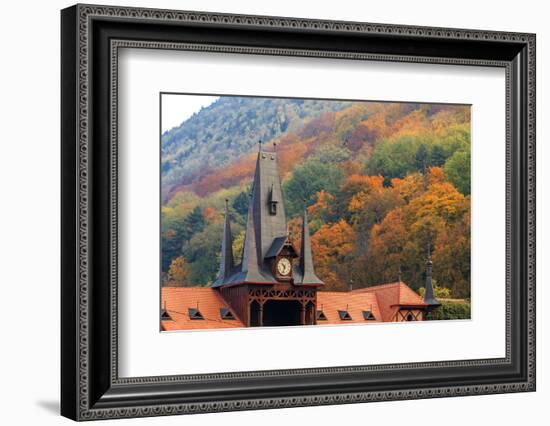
(429, 297)
(266, 234)
(227, 264)
(306, 260)
(264, 224)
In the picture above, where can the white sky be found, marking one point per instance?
(178, 108)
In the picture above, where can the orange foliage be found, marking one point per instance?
(295, 232)
(452, 256)
(323, 123)
(411, 124)
(233, 174)
(369, 131)
(441, 201)
(290, 151)
(208, 213)
(438, 215)
(436, 175)
(332, 245)
(409, 187)
(323, 207)
(289, 155)
(362, 183)
(447, 117)
(351, 167)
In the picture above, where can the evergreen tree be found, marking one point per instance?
(240, 204)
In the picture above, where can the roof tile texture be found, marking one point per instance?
(382, 300)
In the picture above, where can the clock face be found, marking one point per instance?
(283, 266)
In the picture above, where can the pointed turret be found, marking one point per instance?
(429, 297)
(306, 260)
(266, 234)
(227, 264)
(250, 268)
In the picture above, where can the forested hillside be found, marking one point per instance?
(382, 180)
(231, 126)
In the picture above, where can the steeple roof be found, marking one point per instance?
(262, 225)
(227, 264)
(266, 233)
(306, 260)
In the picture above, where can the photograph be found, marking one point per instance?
(310, 212)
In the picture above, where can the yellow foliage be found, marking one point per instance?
(178, 272)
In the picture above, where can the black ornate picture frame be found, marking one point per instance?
(91, 387)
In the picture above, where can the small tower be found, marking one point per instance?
(227, 264)
(306, 260)
(429, 297)
(265, 289)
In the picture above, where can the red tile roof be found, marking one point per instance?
(382, 300)
(178, 300)
(330, 302)
(392, 296)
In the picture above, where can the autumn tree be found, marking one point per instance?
(307, 180)
(332, 248)
(439, 217)
(369, 207)
(180, 231)
(178, 272)
(360, 168)
(384, 258)
(321, 211)
(238, 246)
(452, 261)
(457, 170)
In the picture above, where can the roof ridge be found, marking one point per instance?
(378, 286)
(208, 289)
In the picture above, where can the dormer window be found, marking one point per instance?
(195, 314)
(226, 314)
(164, 315)
(320, 316)
(344, 315)
(368, 316)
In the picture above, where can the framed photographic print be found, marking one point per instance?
(263, 212)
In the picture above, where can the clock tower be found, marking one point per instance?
(274, 284)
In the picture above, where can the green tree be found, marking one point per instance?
(437, 156)
(457, 170)
(173, 239)
(240, 203)
(202, 252)
(309, 178)
(394, 158)
(451, 310)
(439, 292)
